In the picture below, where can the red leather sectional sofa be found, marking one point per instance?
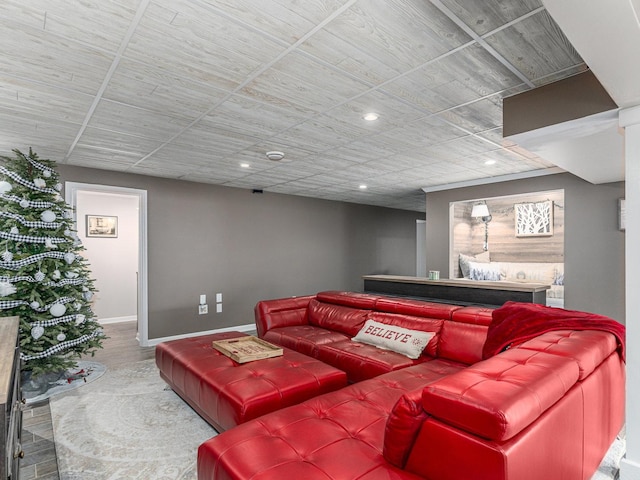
(546, 408)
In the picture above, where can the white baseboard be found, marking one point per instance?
(238, 328)
(128, 318)
(629, 470)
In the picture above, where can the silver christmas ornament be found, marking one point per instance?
(39, 182)
(61, 337)
(35, 305)
(57, 309)
(37, 332)
(5, 187)
(48, 216)
(56, 275)
(69, 257)
(79, 318)
(39, 276)
(46, 173)
(14, 230)
(7, 256)
(24, 203)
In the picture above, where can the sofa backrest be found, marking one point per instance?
(339, 318)
(463, 337)
(418, 308)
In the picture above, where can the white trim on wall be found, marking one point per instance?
(71, 190)
(250, 327)
(128, 318)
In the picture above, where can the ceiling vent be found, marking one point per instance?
(275, 156)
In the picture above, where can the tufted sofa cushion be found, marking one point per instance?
(303, 338)
(331, 436)
(589, 348)
(497, 398)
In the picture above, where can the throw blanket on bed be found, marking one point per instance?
(515, 323)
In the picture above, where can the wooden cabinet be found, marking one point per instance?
(10, 402)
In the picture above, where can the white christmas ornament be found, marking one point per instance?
(71, 274)
(48, 216)
(5, 186)
(61, 337)
(58, 186)
(36, 332)
(67, 232)
(69, 257)
(56, 275)
(79, 319)
(35, 305)
(14, 230)
(7, 288)
(49, 244)
(7, 256)
(87, 296)
(24, 203)
(39, 182)
(39, 276)
(46, 173)
(77, 305)
(57, 309)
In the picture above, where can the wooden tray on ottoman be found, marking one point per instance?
(246, 349)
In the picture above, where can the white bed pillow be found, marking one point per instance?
(407, 342)
(484, 257)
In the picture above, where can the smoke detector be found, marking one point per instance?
(275, 156)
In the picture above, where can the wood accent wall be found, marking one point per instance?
(468, 233)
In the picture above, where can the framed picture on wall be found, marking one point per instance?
(534, 219)
(102, 226)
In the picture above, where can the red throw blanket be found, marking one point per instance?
(514, 323)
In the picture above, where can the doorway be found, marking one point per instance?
(126, 210)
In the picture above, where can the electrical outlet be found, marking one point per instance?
(203, 309)
(218, 308)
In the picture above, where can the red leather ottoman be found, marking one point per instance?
(226, 393)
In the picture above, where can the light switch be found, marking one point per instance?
(203, 299)
(218, 297)
(218, 308)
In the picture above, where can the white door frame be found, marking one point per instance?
(71, 194)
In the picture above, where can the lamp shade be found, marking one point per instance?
(480, 210)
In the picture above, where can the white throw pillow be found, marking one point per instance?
(484, 271)
(391, 337)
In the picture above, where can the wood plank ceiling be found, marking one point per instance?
(192, 89)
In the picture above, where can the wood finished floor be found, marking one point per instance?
(39, 462)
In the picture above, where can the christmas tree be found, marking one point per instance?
(43, 277)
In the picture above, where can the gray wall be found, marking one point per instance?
(210, 239)
(594, 247)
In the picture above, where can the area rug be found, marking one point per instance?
(128, 424)
(83, 373)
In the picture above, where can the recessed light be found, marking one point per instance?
(490, 162)
(362, 187)
(244, 165)
(275, 156)
(371, 116)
